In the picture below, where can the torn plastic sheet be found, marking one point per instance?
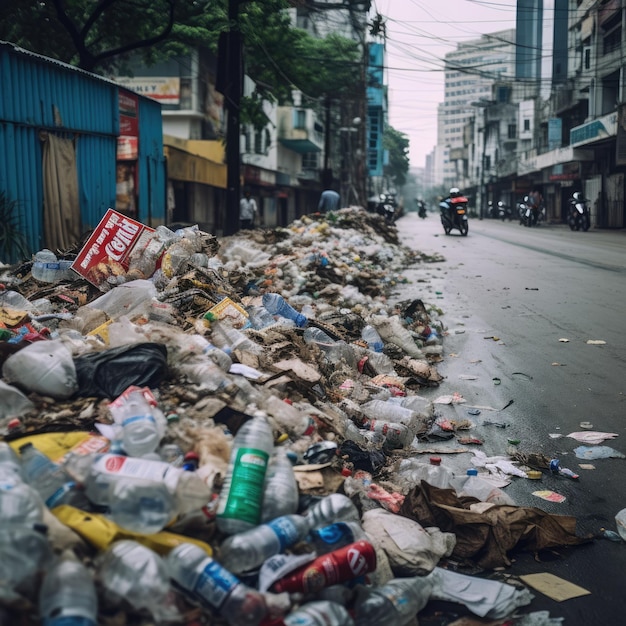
(592, 437)
(485, 598)
(597, 452)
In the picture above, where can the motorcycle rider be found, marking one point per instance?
(446, 205)
(421, 207)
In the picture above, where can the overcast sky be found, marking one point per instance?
(419, 34)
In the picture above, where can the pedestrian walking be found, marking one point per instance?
(247, 211)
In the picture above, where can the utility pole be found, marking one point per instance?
(233, 86)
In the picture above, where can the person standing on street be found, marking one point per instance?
(247, 211)
(329, 201)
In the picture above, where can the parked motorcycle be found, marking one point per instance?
(504, 212)
(421, 211)
(387, 208)
(579, 217)
(453, 211)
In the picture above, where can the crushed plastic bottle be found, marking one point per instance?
(410, 472)
(394, 603)
(25, 553)
(141, 433)
(473, 485)
(215, 587)
(131, 572)
(277, 305)
(68, 596)
(48, 269)
(374, 341)
(318, 613)
(392, 412)
(52, 481)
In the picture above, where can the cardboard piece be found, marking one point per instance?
(554, 587)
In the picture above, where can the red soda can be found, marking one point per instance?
(349, 562)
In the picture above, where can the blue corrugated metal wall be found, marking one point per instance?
(152, 183)
(43, 94)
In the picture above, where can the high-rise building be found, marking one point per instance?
(528, 39)
(471, 71)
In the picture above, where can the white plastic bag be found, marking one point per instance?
(45, 367)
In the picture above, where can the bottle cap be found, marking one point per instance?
(14, 424)
(435, 460)
(472, 471)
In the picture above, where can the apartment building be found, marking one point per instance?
(470, 73)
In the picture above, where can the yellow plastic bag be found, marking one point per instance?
(101, 532)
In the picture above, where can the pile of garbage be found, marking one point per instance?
(199, 431)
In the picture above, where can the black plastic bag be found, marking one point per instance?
(368, 460)
(109, 373)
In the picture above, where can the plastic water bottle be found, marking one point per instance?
(332, 508)
(411, 471)
(214, 586)
(48, 269)
(24, 553)
(68, 596)
(294, 422)
(395, 435)
(143, 495)
(476, 487)
(19, 503)
(280, 494)
(140, 432)
(391, 412)
(239, 503)
(319, 613)
(51, 480)
(334, 351)
(205, 373)
(248, 550)
(134, 573)
(277, 305)
(374, 341)
(9, 462)
(395, 602)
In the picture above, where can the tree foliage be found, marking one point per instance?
(397, 144)
(100, 35)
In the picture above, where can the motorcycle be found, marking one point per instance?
(530, 213)
(422, 210)
(386, 208)
(504, 212)
(579, 213)
(454, 215)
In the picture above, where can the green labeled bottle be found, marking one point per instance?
(240, 502)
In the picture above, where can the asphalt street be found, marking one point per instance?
(520, 306)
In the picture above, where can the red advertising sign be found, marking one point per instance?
(107, 252)
(128, 104)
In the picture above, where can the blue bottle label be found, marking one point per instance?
(138, 418)
(69, 620)
(56, 498)
(335, 535)
(215, 584)
(285, 530)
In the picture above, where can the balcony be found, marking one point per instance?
(299, 130)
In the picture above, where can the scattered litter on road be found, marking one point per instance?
(550, 496)
(598, 452)
(592, 437)
(554, 587)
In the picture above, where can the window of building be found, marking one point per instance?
(612, 34)
(512, 131)
(258, 142)
(310, 160)
(299, 119)
(526, 125)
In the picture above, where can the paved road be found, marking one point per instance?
(509, 295)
